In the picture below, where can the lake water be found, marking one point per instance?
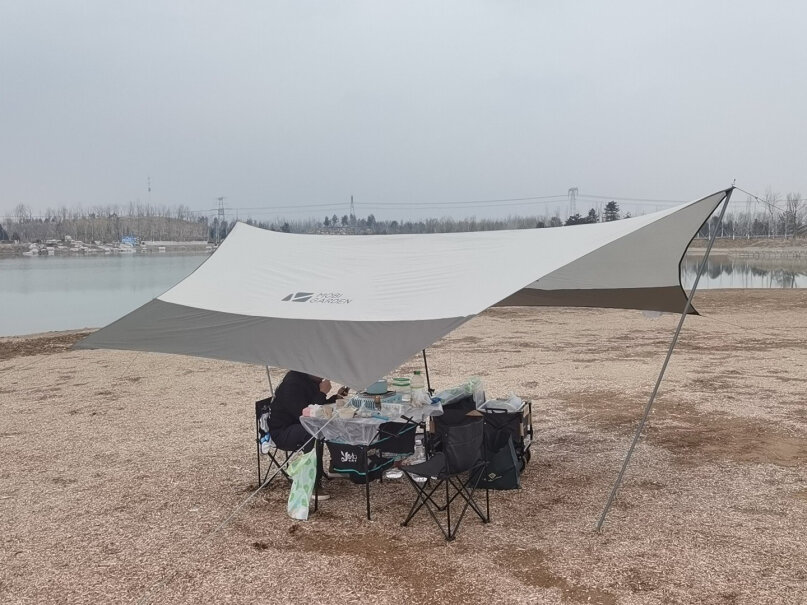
(67, 293)
(727, 272)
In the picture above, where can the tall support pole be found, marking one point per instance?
(271, 387)
(426, 365)
(649, 406)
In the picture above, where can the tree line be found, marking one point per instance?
(163, 223)
(348, 223)
(107, 224)
(772, 221)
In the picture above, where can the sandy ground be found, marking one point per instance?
(116, 466)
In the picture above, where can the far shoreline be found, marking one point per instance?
(18, 250)
(737, 247)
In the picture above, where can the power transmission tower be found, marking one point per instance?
(219, 218)
(572, 201)
(352, 212)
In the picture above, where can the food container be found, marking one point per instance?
(393, 409)
(403, 387)
(366, 409)
(346, 412)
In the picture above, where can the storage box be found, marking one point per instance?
(392, 409)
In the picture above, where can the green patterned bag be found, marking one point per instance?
(303, 471)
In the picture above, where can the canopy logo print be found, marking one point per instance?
(328, 298)
(299, 297)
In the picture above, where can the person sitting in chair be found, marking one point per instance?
(297, 391)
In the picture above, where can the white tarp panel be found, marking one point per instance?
(353, 308)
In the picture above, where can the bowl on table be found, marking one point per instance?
(377, 388)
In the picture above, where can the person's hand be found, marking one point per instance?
(325, 386)
(343, 391)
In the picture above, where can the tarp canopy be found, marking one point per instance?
(353, 308)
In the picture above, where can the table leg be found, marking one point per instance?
(318, 446)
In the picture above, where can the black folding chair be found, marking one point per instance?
(461, 453)
(264, 444)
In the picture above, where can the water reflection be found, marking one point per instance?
(728, 272)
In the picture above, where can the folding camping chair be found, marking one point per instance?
(264, 444)
(461, 453)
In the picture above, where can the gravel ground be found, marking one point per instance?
(117, 466)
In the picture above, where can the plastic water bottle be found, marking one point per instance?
(417, 382)
(420, 396)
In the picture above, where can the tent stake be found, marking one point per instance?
(652, 399)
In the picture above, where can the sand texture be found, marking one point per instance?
(116, 466)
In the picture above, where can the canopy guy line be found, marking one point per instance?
(44, 357)
(129, 367)
(747, 329)
(200, 541)
(652, 399)
(26, 366)
(762, 201)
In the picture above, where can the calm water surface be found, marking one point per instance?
(727, 272)
(67, 293)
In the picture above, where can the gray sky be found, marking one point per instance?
(289, 104)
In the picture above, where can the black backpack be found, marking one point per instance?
(503, 470)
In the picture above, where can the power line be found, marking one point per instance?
(409, 204)
(632, 199)
(403, 205)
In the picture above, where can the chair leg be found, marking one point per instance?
(258, 458)
(366, 482)
(467, 482)
(469, 495)
(448, 513)
(258, 445)
(462, 490)
(425, 499)
(273, 462)
(422, 497)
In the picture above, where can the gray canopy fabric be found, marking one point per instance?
(353, 308)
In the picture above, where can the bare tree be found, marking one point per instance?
(793, 205)
(771, 199)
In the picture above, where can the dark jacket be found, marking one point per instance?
(295, 392)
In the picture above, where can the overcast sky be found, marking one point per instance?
(415, 108)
